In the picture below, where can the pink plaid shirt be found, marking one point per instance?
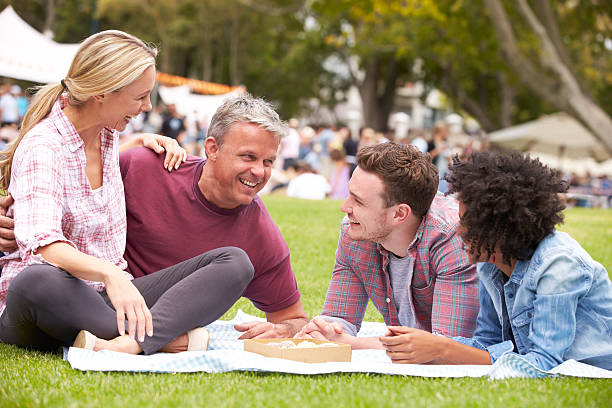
(444, 285)
(54, 200)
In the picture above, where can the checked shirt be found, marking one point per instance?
(444, 285)
(54, 200)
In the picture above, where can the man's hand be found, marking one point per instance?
(263, 330)
(406, 345)
(283, 323)
(321, 329)
(7, 226)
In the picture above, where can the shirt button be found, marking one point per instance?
(510, 295)
(388, 300)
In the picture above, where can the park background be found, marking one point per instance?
(496, 63)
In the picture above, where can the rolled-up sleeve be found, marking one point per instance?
(346, 296)
(38, 199)
(456, 293)
(488, 334)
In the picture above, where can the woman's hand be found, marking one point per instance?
(406, 345)
(175, 154)
(130, 304)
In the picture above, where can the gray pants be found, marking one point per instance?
(46, 307)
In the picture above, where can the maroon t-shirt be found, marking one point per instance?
(169, 221)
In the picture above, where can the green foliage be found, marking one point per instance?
(311, 229)
(277, 48)
(271, 55)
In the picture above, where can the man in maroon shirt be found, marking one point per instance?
(206, 204)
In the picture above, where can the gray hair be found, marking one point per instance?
(246, 108)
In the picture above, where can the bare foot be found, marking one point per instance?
(123, 344)
(177, 345)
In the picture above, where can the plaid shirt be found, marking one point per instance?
(54, 200)
(444, 285)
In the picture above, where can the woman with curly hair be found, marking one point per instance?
(542, 295)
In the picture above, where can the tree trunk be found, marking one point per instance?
(49, 17)
(387, 99)
(378, 94)
(478, 112)
(508, 95)
(207, 72)
(478, 108)
(563, 91)
(234, 53)
(367, 90)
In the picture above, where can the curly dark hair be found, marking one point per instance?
(407, 174)
(511, 200)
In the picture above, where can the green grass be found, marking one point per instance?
(32, 379)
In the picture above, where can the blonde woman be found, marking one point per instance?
(68, 273)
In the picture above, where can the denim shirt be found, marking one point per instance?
(559, 307)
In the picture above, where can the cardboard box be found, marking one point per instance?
(306, 355)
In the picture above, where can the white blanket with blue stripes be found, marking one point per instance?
(226, 354)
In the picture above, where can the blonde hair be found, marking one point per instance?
(105, 62)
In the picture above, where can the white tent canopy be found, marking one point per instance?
(27, 54)
(557, 135)
(559, 141)
(200, 106)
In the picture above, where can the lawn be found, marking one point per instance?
(311, 229)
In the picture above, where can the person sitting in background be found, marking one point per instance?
(306, 134)
(542, 295)
(8, 133)
(367, 137)
(290, 145)
(22, 102)
(349, 146)
(438, 147)
(341, 173)
(173, 125)
(9, 108)
(307, 183)
(419, 141)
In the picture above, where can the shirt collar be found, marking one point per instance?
(496, 275)
(67, 130)
(64, 126)
(520, 268)
(415, 240)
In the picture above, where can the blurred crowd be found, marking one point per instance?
(589, 191)
(13, 106)
(314, 161)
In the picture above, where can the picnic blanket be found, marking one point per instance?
(226, 354)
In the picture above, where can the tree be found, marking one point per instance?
(372, 39)
(454, 45)
(553, 79)
(461, 54)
